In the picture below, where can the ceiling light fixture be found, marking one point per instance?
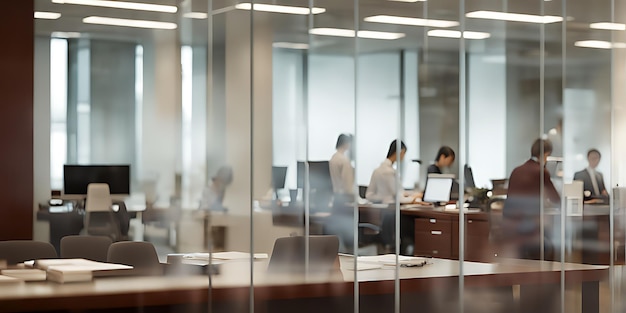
(339, 32)
(279, 8)
(608, 26)
(514, 17)
(599, 44)
(65, 35)
(47, 15)
(388, 19)
(457, 34)
(196, 15)
(122, 5)
(291, 45)
(128, 22)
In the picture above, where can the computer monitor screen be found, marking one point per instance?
(279, 173)
(438, 188)
(77, 177)
(300, 174)
(469, 177)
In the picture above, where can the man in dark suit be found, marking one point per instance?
(593, 181)
(521, 211)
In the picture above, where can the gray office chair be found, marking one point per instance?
(17, 251)
(140, 255)
(289, 255)
(87, 247)
(100, 219)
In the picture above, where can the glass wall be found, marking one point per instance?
(460, 156)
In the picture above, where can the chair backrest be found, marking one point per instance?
(140, 255)
(100, 219)
(17, 251)
(86, 247)
(289, 254)
(98, 198)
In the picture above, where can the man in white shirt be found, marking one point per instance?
(341, 170)
(593, 181)
(383, 183)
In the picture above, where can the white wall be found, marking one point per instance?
(487, 119)
(289, 144)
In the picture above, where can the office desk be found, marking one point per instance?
(437, 233)
(272, 293)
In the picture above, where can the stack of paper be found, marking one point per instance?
(71, 270)
(69, 273)
(390, 259)
(26, 274)
(9, 280)
(230, 255)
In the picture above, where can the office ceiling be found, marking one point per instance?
(520, 39)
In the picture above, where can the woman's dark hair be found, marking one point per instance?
(342, 140)
(446, 152)
(535, 150)
(393, 148)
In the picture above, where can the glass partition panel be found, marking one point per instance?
(269, 127)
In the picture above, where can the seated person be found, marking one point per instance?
(594, 189)
(445, 158)
(382, 189)
(342, 172)
(383, 184)
(213, 194)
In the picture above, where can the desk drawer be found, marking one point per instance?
(477, 228)
(428, 244)
(433, 237)
(433, 224)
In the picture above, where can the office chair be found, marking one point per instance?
(87, 247)
(289, 255)
(140, 255)
(341, 224)
(100, 219)
(17, 251)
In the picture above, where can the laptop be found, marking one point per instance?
(438, 188)
(289, 255)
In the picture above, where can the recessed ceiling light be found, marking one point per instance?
(457, 34)
(339, 32)
(279, 8)
(47, 15)
(608, 26)
(410, 21)
(599, 44)
(123, 5)
(196, 15)
(128, 22)
(515, 17)
(65, 35)
(291, 45)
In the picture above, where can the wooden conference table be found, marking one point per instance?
(231, 290)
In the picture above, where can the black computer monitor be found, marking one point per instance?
(279, 174)
(77, 177)
(469, 177)
(300, 175)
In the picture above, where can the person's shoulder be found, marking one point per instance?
(579, 173)
(432, 169)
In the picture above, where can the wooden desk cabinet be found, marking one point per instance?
(437, 234)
